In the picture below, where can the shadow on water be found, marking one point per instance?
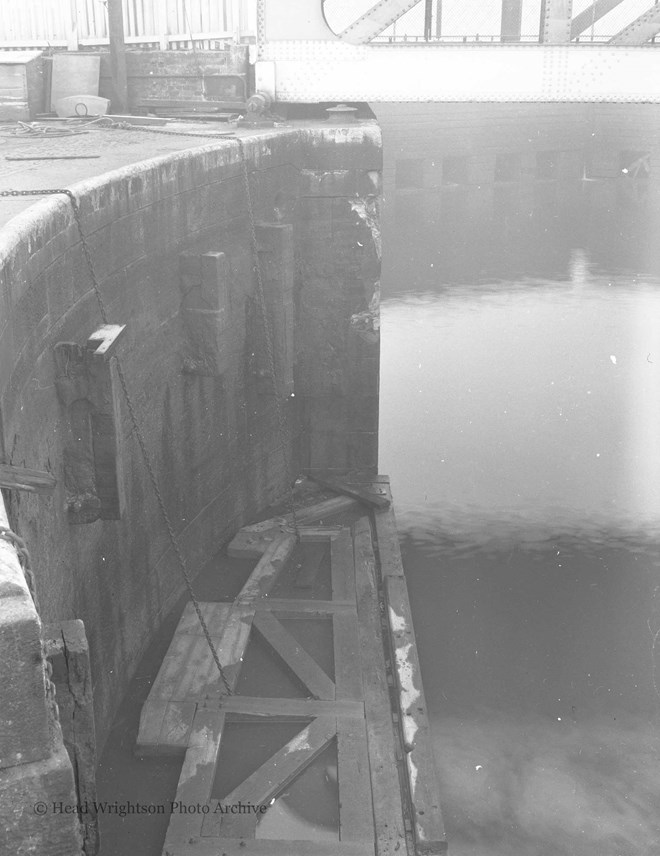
(520, 423)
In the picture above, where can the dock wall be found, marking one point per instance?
(171, 245)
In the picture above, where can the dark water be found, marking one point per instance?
(520, 423)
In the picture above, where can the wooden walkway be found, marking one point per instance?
(372, 709)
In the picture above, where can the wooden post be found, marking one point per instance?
(119, 100)
(510, 29)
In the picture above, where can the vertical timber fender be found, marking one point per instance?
(422, 775)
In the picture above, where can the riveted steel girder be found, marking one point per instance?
(593, 13)
(377, 19)
(556, 21)
(641, 30)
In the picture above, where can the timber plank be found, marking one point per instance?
(389, 551)
(250, 542)
(361, 494)
(318, 533)
(189, 673)
(422, 774)
(230, 648)
(274, 775)
(197, 775)
(151, 722)
(302, 608)
(348, 678)
(22, 478)
(266, 847)
(388, 812)
(342, 567)
(215, 615)
(292, 707)
(265, 574)
(356, 819)
(177, 724)
(294, 655)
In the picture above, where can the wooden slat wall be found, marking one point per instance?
(82, 23)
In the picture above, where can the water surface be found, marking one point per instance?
(520, 424)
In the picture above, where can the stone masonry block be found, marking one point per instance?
(38, 809)
(24, 734)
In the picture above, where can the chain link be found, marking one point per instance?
(268, 336)
(136, 425)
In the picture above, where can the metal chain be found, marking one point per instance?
(136, 426)
(269, 341)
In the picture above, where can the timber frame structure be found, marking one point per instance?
(372, 707)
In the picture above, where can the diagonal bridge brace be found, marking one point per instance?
(377, 19)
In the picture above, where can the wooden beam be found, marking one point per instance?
(213, 846)
(387, 536)
(356, 819)
(342, 567)
(422, 774)
(348, 680)
(387, 798)
(119, 92)
(274, 775)
(264, 576)
(373, 500)
(304, 667)
(641, 30)
(189, 674)
(21, 478)
(290, 707)
(590, 15)
(197, 776)
(250, 542)
(295, 608)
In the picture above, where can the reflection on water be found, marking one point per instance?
(525, 787)
(520, 423)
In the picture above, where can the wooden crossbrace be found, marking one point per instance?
(341, 719)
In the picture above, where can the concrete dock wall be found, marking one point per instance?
(171, 246)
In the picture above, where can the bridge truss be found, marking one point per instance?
(299, 59)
